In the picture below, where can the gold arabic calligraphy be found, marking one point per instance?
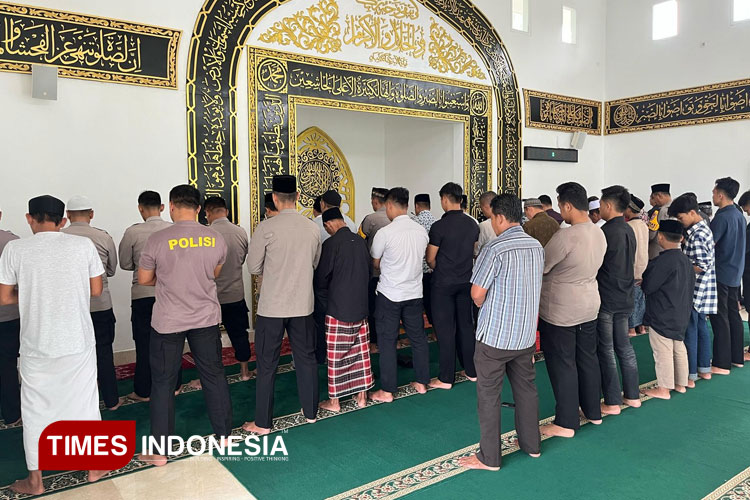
(564, 113)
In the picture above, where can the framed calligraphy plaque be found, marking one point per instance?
(694, 106)
(86, 47)
(559, 112)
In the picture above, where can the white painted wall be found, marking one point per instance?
(708, 49)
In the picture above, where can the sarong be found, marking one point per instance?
(55, 389)
(349, 369)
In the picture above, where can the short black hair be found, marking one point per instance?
(573, 193)
(509, 206)
(398, 196)
(673, 237)
(185, 196)
(214, 202)
(149, 199)
(464, 202)
(728, 186)
(617, 195)
(286, 197)
(592, 198)
(683, 204)
(486, 198)
(452, 191)
(545, 199)
(42, 217)
(425, 204)
(316, 204)
(744, 199)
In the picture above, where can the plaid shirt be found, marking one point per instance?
(699, 248)
(424, 219)
(510, 268)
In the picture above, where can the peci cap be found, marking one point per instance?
(331, 214)
(636, 204)
(332, 198)
(660, 188)
(422, 198)
(532, 202)
(284, 184)
(379, 193)
(670, 226)
(79, 202)
(46, 205)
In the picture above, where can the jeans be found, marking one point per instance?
(698, 344)
(639, 307)
(612, 331)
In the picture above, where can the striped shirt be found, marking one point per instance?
(510, 268)
(699, 248)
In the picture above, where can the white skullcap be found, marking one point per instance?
(79, 202)
(593, 205)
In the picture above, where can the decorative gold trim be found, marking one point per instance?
(727, 487)
(405, 9)
(170, 81)
(528, 94)
(627, 110)
(447, 55)
(390, 59)
(315, 28)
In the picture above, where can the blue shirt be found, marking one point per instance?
(728, 228)
(510, 268)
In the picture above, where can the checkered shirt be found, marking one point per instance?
(510, 268)
(424, 219)
(699, 248)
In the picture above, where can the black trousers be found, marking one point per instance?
(236, 322)
(427, 295)
(729, 332)
(140, 319)
(372, 295)
(573, 368)
(166, 358)
(492, 365)
(319, 316)
(104, 332)
(454, 327)
(10, 390)
(389, 316)
(269, 332)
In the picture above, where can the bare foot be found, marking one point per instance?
(610, 409)
(381, 396)
(436, 383)
(596, 422)
(705, 376)
(657, 392)
(251, 427)
(179, 390)
(95, 475)
(32, 485)
(471, 379)
(361, 399)
(473, 462)
(136, 397)
(553, 430)
(690, 384)
(331, 405)
(532, 455)
(680, 388)
(309, 420)
(119, 404)
(633, 403)
(195, 384)
(421, 388)
(245, 373)
(155, 460)
(719, 371)
(746, 356)
(374, 348)
(737, 365)
(631, 332)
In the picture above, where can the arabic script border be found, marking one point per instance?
(528, 94)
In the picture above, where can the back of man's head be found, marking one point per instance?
(574, 194)
(509, 206)
(452, 192)
(546, 201)
(728, 186)
(185, 196)
(149, 199)
(618, 196)
(399, 196)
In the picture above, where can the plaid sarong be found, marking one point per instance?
(349, 369)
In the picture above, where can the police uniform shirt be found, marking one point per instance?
(184, 257)
(105, 247)
(230, 285)
(131, 247)
(7, 313)
(285, 250)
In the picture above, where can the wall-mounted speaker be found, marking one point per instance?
(44, 82)
(578, 139)
(550, 154)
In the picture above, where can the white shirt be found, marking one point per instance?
(486, 234)
(400, 246)
(601, 222)
(324, 235)
(52, 271)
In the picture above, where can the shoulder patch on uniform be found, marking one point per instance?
(653, 223)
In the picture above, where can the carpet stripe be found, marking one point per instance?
(737, 487)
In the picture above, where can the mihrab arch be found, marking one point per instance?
(220, 32)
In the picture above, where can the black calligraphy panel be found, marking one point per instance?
(708, 104)
(87, 47)
(558, 112)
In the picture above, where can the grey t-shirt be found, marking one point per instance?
(105, 246)
(7, 313)
(184, 257)
(52, 271)
(230, 285)
(130, 250)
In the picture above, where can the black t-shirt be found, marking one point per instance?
(455, 234)
(668, 283)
